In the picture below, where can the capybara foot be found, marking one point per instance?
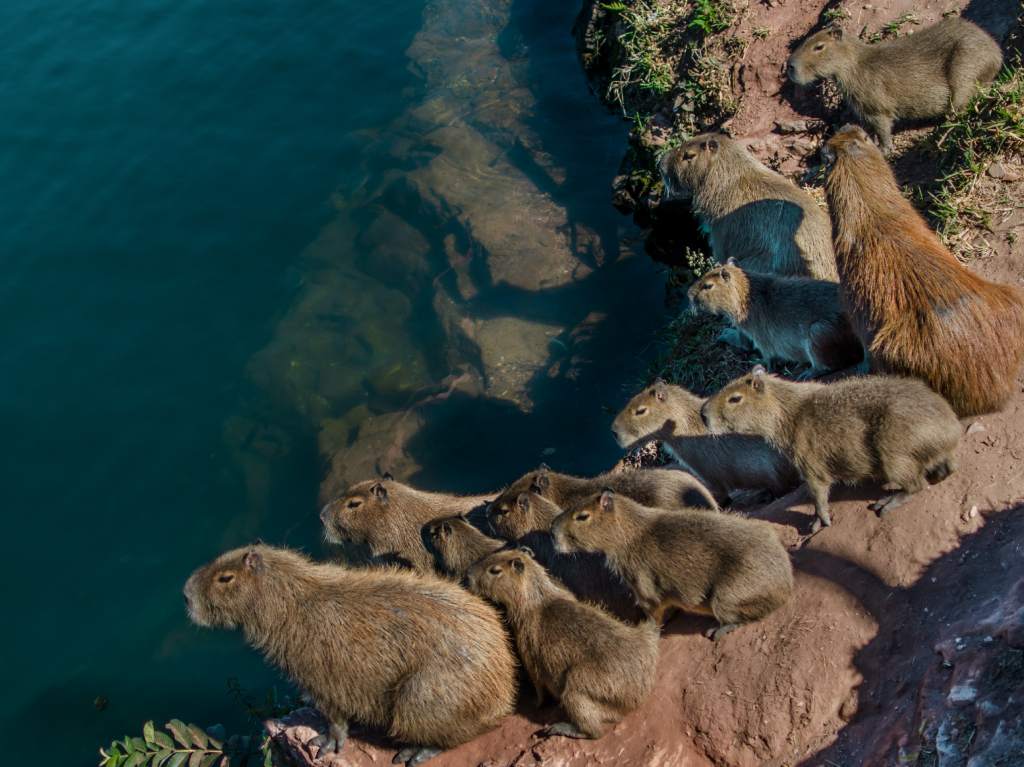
(884, 505)
(717, 633)
(566, 729)
(332, 741)
(939, 472)
(415, 755)
(822, 521)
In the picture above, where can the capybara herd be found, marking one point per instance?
(568, 578)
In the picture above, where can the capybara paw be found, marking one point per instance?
(717, 633)
(414, 755)
(566, 729)
(327, 744)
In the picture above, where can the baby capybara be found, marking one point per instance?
(915, 76)
(885, 428)
(598, 668)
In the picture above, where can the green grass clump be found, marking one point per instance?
(647, 28)
(990, 127)
(711, 16)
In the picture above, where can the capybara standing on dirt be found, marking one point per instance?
(389, 517)
(413, 655)
(916, 309)
(733, 568)
(916, 76)
(750, 213)
(793, 319)
(726, 463)
(661, 488)
(598, 668)
(895, 430)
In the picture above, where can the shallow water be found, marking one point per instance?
(243, 240)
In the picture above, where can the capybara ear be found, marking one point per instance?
(517, 565)
(528, 551)
(607, 497)
(828, 154)
(711, 145)
(523, 501)
(726, 275)
(660, 389)
(541, 481)
(730, 261)
(757, 377)
(836, 33)
(379, 492)
(387, 476)
(253, 560)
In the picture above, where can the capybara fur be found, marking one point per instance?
(661, 488)
(527, 521)
(727, 464)
(389, 517)
(598, 668)
(749, 212)
(731, 567)
(918, 311)
(893, 430)
(457, 544)
(412, 655)
(916, 76)
(790, 319)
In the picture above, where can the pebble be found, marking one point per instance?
(976, 428)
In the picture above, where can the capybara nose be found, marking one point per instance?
(790, 71)
(704, 415)
(325, 513)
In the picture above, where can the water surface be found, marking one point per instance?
(249, 242)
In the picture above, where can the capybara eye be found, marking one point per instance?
(494, 569)
(707, 286)
(641, 410)
(690, 155)
(355, 503)
(735, 398)
(225, 577)
(583, 516)
(819, 47)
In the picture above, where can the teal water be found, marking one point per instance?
(239, 237)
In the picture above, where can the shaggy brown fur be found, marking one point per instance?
(600, 669)
(917, 76)
(896, 430)
(457, 544)
(389, 517)
(733, 567)
(527, 521)
(533, 500)
(413, 655)
(917, 310)
(751, 213)
(727, 463)
(793, 319)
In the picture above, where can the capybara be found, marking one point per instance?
(917, 310)
(792, 319)
(725, 565)
(895, 430)
(389, 517)
(412, 655)
(728, 464)
(917, 76)
(759, 217)
(598, 668)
